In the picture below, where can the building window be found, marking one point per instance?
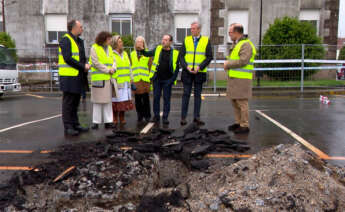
(121, 25)
(238, 16)
(182, 26)
(56, 27)
(181, 33)
(311, 16)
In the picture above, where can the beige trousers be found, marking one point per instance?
(241, 111)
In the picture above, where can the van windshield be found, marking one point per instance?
(7, 58)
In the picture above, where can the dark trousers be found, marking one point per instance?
(158, 86)
(187, 89)
(70, 103)
(142, 105)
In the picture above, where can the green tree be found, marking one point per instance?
(284, 39)
(7, 41)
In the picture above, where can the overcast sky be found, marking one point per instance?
(341, 26)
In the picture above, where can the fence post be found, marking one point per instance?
(50, 72)
(215, 69)
(302, 68)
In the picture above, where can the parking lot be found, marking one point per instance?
(31, 126)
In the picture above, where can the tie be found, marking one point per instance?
(195, 42)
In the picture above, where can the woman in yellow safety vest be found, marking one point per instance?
(101, 60)
(122, 101)
(141, 77)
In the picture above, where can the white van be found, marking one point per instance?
(8, 71)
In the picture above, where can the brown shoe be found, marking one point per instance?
(115, 117)
(241, 130)
(122, 117)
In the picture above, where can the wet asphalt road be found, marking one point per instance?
(319, 124)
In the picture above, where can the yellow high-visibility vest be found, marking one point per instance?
(156, 60)
(244, 72)
(197, 55)
(140, 68)
(104, 59)
(123, 68)
(64, 68)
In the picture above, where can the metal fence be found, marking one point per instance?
(282, 66)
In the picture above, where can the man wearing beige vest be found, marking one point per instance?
(239, 68)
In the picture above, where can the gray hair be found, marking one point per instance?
(197, 23)
(140, 38)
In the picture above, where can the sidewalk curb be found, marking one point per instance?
(175, 93)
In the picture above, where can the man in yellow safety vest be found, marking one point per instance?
(73, 69)
(239, 68)
(196, 55)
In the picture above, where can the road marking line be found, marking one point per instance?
(23, 151)
(147, 128)
(318, 152)
(227, 156)
(27, 123)
(17, 151)
(212, 94)
(16, 168)
(33, 95)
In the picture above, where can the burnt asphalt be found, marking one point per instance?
(319, 124)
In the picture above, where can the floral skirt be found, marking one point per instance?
(123, 106)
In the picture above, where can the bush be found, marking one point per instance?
(283, 40)
(8, 42)
(128, 42)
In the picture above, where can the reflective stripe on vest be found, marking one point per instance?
(199, 52)
(64, 68)
(245, 72)
(155, 62)
(123, 68)
(140, 68)
(104, 59)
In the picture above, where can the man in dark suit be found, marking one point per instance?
(73, 69)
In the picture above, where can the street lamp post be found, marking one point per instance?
(3, 16)
(260, 31)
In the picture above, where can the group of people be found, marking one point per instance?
(115, 75)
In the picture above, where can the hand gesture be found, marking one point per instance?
(87, 67)
(226, 65)
(196, 69)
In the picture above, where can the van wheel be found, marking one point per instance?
(1, 94)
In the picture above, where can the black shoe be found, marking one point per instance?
(155, 119)
(71, 132)
(165, 121)
(109, 126)
(198, 122)
(94, 126)
(241, 130)
(81, 129)
(233, 127)
(147, 119)
(183, 122)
